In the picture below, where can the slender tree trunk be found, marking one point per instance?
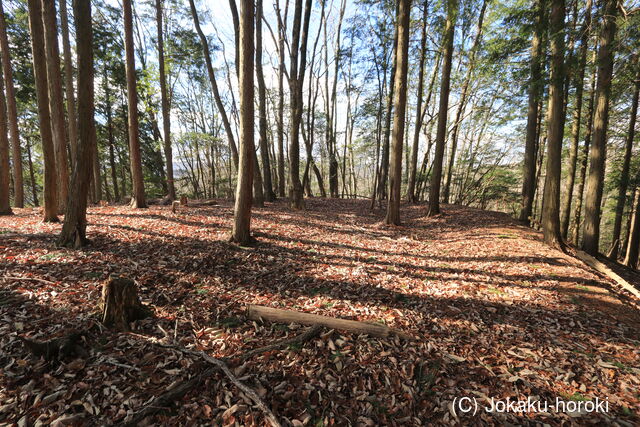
(95, 174)
(42, 94)
(624, 176)
(56, 103)
(577, 115)
(214, 84)
(413, 163)
(12, 114)
(633, 242)
(462, 103)
(282, 21)
(166, 109)
(400, 107)
(536, 87)
(384, 159)
(68, 81)
(138, 197)
(584, 161)
(242, 211)
(32, 175)
(5, 185)
(269, 194)
(298, 63)
(75, 222)
(598, 154)
(441, 133)
(555, 128)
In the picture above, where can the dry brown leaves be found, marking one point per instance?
(498, 314)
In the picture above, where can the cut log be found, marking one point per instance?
(120, 303)
(184, 201)
(256, 312)
(602, 268)
(174, 206)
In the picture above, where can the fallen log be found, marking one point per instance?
(602, 268)
(56, 348)
(257, 312)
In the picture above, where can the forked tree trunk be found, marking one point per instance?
(12, 114)
(441, 132)
(399, 107)
(120, 304)
(536, 86)
(598, 155)
(138, 199)
(555, 128)
(56, 103)
(36, 31)
(242, 211)
(74, 229)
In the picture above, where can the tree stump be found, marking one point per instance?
(184, 201)
(120, 303)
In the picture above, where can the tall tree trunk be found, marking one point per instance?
(269, 194)
(598, 152)
(298, 62)
(138, 197)
(214, 85)
(242, 211)
(413, 163)
(32, 175)
(68, 81)
(577, 116)
(12, 114)
(384, 159)
(399, 107)
(112, 159)
(282, 22)
(441, 132)
(584, 161)
(56, 103)
(166, 110)
(95, 175)
(536, 87)
(462, 103)
(624, 176)
(75, 222)
(633, 243)
(555, 128)
(5, 205)
(42, 94)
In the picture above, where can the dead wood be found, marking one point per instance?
(56, 348)
(602, 268)
(257, 312)
(120, 304)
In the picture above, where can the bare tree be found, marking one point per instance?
(68, 81)
(166, 110)
(42, 95)
(12, 114)
(5, 206)
(400, 108)
(242, 211)
(75, 221)
(138, 198)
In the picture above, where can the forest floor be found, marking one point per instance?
(496, 313)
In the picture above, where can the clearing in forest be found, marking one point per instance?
(495, 312)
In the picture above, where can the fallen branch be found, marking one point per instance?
(602, 268)
(29, 278)
(257, 312)
(310, 333)
(180, 390)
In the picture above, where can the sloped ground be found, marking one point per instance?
(497, 314)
